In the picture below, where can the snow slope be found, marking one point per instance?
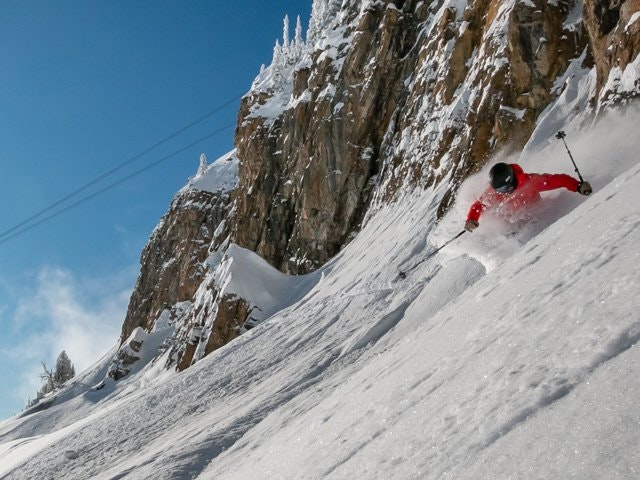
(501, 357)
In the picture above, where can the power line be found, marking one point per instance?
(117, 168)
(6, 237)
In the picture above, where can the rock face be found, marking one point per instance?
(172, 266)
(614, 36)
(212, 325)
(305, 174)
(127, 355)
(327, 134)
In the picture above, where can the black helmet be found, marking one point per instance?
(503, 178)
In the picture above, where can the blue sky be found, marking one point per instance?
(86, 85)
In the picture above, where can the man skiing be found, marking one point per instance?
(512, 190)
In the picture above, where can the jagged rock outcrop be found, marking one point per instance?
(614, 35)
(128, 354)
(211, 325)
(172, 266)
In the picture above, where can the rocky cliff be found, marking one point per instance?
(380, 98)
(172, 263)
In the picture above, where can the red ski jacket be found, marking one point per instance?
(526, 193)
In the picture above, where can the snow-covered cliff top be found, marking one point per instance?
(219, 176)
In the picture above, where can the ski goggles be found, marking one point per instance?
(506, 188)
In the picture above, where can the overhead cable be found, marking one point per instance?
(16, 231)
(115, 169)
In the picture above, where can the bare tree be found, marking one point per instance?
(48, 378)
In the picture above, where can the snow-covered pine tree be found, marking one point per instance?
(322, 12)
(277, 66)
(298, 42)
(202, 168)
(64, 369)
(315, 21)
(285, 36)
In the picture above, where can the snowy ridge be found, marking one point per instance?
(454, 373)
(245, 274)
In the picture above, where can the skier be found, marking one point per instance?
(512, 191)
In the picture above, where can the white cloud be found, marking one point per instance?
(81, 316)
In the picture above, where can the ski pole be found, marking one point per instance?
(560, 136)
(403, 274)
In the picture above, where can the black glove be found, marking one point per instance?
(471, 225)
(584, 188)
